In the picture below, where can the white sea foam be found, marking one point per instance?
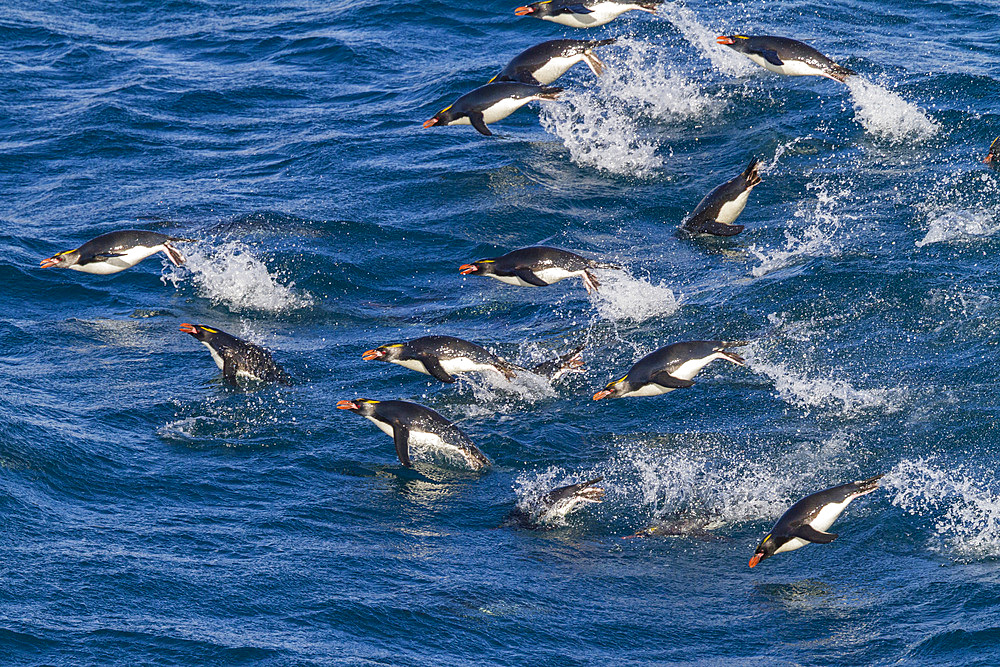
(722, 57)
(623, 297)
(229, 274)
(964, 505)
(530, 487)
(960, 225)
(887, 115)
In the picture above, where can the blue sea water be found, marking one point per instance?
(153, 515)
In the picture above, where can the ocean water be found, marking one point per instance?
(153, 515)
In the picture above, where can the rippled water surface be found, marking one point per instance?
(154, 515)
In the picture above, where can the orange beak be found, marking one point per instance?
(604, 393)
(371, 355)
(466, 269)
(189, 328)
(755, 560)
(989, 159)
(524, 11)
(430, 121)
(722, 39)
(347, 405)
(52, 261)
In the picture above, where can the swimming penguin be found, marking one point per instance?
(117, 251)
(669, 368)
(584, 13)
(564, 364)
(716, 213)
(490, 103)
(538, 266)
(413, 426)
(808, 520)
(546, 62)
(993, 157)
(442, 357)
(556, 505)
(785, 56)
(237, 358)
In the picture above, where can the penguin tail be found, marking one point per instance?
(590, 282)
(549, 92)
(595, 64)
(509, 371)
(181, 239)
(840, 73)
(571, 362)
(650, 5)
(750, 174)
(605, 265)
(594, 43)
(175, 256)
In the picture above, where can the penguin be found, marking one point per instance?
(564, 364)
(716, 213)
(785, 56)
(490, 103)
(442, 357)
(669, 368)
(993, 157)
(808, 520)
(584, 13)
(237, 358)
(556, 505)
(538, 266)
(412, 426)
(544, 63)
(117, 251)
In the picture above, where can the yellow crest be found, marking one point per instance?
(210, 330)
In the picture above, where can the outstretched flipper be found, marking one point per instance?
(478, 122)
(665, 379)
(437, 371)
(810, 534)
(715, 228)
(771, 56)
(528, 276)
(401, 438)
(228, 367)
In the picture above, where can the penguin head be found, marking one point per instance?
(482, 267)
(735, 42)
(536, 9)
(204, 334)
(384, 353)
(765, 550)
(63, 260)
(614, 389)
(362, 406)
(443, 117)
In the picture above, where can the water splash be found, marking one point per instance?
(964, 505)
(229, 274)
(623, 297)
(723, 59)
(886, 115)
(530, 487)
(960, 225)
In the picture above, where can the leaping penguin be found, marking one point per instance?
(117, 251)
(538, 266)
(785, 56)
(413, 426)
(556, 505)
(237, 358)
(669, 368)
(717, 212)
(993, 157)
(442, 357)
(808, 520)
(490, 103)
(584, 13)
(546, 62)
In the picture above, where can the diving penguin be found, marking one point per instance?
(717, 212)
(993, 157)
(117, 251)
(556, 505)
(808, 520)
(413, 426)
(785, 56)
(538, 266)
(546, 62)
(584, 13)
(669, 368)
(237, 358)
(490, 103)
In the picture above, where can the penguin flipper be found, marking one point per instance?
(810, 534)
(478, 122)
(577, 9)
(528, 276)
(719, 228)
(665, 379)
(228, 367)
(771, 56)
(436, 370)
(401, 438)
(527, 77)
(99, 257)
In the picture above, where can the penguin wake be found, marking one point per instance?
(886, 115)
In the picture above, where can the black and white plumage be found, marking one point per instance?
(717, 212)
(116, 251)
(490, 103)
(584, 13)
(785, 56)
(556, 505)
(671, 367)
(808, 520)
(414, 426)
(443, 357)
(236, 358)
(538, 266)
(544, 63)
(993, 157)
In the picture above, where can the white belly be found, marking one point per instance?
(383, 426)
(732, 209)
(599, 15)
(649, 390)
(791, 545)
(829, 514)
(215, 355)
(692, 367)
(504, 108)
(412, 364)
(463, 365)
(790, 68)
(128, 259)
(556, 67)
(550, 275)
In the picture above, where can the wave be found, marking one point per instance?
(960, 225)
(886, 115)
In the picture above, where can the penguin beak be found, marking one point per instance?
(52, 261)
(604, 393)
(430, 121)
(524, 11)
(189, 329)
(466, 269)
(988, 160)
(756, 559)
(347, 405)
(722, 39)
(371, 355)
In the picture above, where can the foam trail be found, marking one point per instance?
(530, 487)
(964, 506)
(229, 274)
(815, 240)
(887, 115)
(722, 58)
(960, 225)
(623, 297)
